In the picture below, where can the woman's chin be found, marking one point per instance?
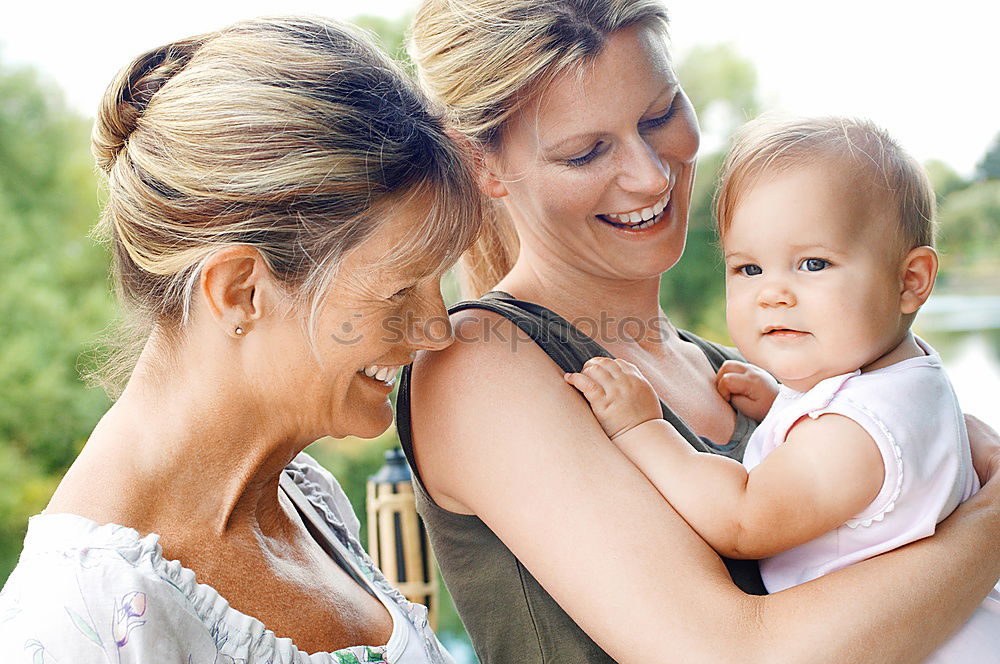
(376, 422)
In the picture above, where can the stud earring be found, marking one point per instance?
(240, 331)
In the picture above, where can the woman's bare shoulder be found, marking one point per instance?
(487, 346)
(481, 396)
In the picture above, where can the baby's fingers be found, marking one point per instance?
(590, 388)
(602, 370)
(729, 384)
(732, 367)
(603, 366)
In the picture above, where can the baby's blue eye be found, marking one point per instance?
(814, 264)
(750, 270)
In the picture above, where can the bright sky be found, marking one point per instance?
(927, 71)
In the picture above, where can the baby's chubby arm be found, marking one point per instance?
(750, 389)
(827, 470)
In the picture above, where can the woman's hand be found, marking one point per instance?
(985, 443)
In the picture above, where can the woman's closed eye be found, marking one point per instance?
(814, 264)
(599, 148)
(660, 120)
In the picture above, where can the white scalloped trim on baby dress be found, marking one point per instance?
(897, 453)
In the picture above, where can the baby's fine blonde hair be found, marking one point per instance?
(484, 59)
(768, 145)
(295, 136)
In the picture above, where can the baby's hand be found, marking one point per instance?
(619, 394)
(750, 389)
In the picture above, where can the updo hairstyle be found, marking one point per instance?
(294, 136)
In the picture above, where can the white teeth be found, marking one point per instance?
(383, 374)
(640, 216)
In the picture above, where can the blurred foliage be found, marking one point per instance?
(944, 179)
(989, 167)
(55, 299)
(722, 86)
(719, 75)
(390, 33)
(54, 296)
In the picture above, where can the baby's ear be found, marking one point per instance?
(918, 271)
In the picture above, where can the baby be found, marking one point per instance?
(827, 230)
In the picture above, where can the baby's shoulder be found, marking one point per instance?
(913, 387)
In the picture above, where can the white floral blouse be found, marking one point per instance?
(86, 593)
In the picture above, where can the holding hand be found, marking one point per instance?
(750, 389)
(619, 394)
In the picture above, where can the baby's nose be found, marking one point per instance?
(776, 295)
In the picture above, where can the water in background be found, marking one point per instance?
(965, 330)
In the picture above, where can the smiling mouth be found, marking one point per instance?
(639, 220)
(385, 376)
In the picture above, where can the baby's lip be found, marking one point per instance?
(782, 329)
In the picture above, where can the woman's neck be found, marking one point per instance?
(187, 446)
(615, 310)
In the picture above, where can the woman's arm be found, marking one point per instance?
(521, 449)
(825, 472)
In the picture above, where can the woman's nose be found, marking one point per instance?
(431, 328)
(643, 171)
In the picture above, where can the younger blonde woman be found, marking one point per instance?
(554, 545)
(827, 228)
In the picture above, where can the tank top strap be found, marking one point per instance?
(568, 347)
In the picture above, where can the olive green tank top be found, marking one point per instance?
(510, 618)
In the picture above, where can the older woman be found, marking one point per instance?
(281, 205)
(555, 547)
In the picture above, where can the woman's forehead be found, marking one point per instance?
(629, 75)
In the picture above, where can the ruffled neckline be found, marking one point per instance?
(86, 541)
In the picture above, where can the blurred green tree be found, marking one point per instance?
(989, 167)
(54, 296)
(969, 235)
(944, 179)
(722, 86)
(390, 33)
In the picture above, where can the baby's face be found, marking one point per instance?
(813, 280)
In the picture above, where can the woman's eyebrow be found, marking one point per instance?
(671, 89)
(561, 145)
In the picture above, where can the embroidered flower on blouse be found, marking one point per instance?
(128, 615)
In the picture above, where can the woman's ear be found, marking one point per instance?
(481, 161)
(487, 175)
(919, 269)
(233, 282)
